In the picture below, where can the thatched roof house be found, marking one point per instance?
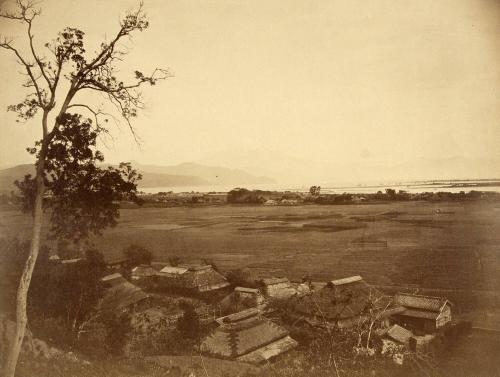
(120, 294)
(249, 337)
(277, 287)
(242, 298)
(343, 303)
(199, 278)
(423, 313)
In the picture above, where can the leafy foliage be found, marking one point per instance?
(67, 294)
(137, 255)
(118, 327)
(71, 291)
(83, 194)
(315, 190)
(189, 324)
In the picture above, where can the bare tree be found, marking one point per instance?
(66, 62)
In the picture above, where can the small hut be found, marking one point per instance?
(423, 314)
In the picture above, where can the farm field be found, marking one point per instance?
(449, 246)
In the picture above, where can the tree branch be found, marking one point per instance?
(7, 45)
(25, 8)
(95, 113)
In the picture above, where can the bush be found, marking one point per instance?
(117, 327)
(189, 324)
(158, 337)
(137, 255)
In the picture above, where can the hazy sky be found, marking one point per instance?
(345, 81)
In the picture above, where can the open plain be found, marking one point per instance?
(451, 248)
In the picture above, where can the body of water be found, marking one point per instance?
(359, 189)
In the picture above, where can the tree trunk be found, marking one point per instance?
(22, 290)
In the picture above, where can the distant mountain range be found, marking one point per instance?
(294, 171)
(185, 174)
(198, 174)
(256, 166)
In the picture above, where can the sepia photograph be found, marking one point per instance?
(247, 188)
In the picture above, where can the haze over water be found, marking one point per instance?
(355, 189)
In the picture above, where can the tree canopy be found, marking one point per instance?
(82, 195)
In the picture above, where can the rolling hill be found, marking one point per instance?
(185, 174)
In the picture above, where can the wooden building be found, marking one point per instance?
(193, 278)
(277, 287)
(344, 303)
(247, 336)
(423, 314)
(121, 295)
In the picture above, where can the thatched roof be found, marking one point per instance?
(278, 287)
(247, 336)
(208, 279)
(419, 302)
(201, 278)
(269, 351)
(341, 303)
(120, 293)
(272, 281)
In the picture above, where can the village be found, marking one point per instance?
(247, 320)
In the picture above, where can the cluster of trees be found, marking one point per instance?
(314, 190)
(243, 195)
(401, 195)
(334, 199)
(63, 301)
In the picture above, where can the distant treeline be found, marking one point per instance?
(263, 197)
(241, 195)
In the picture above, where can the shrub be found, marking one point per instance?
(137, 254)
(189, 324)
